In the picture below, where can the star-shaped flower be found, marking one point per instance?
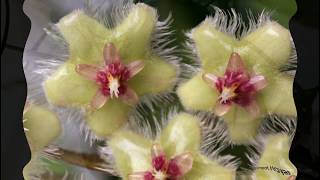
(101, 64)
(173, 155)
(244, 100)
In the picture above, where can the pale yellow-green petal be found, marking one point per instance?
(132, 152)
(181, 135)
(276, 154)
(106, 120)
(277, 97)
(242, 127)
(204, 169)
(133, 35)
(214, 47)
(196, 94)
(66, 88)
(156, 77)
(85, 36)
(41, 127)
(32, 168)
(266, 49)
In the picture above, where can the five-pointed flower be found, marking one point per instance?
(244, 89)
(102, 70)
(174, 155)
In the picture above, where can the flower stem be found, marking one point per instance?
(89, 161)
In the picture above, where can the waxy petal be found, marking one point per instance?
(253, 108)
(259, 82)
(276, 151)
(99, 100)
(109, 118)
(131, 152)
(133, 34)
(277, 97)
(141, 176)
(66, 87)
(203, 168)
(268, 48)
(242, 126)
(211, 79)
(184, 162)
(134, 68)
(156, 77)
(130, 97)
(88, 71)
(181, 135)
(85, 37)
(196, 94)
(207, 38)
(110, 54)
(43, 127)
(236, 64)
(221, 109)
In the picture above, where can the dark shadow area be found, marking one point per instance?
(15, 28)
(304, 27)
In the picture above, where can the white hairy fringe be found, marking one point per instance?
(291, 67)
(76, 117)
(272, 124)
(149, 124)
(232, 23)
(215, 139)
(110, 16)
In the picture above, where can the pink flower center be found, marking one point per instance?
(235, 87)
(112, 79)
(163, 168)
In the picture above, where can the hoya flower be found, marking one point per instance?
(241, 77)
(175, 154)
(110, 67)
